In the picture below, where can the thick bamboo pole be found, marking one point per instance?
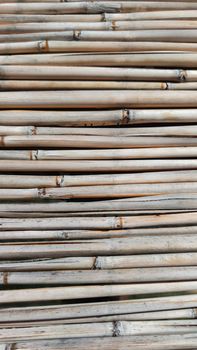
(97, 117)
(97, 99)
(99, 166)
(49, 46)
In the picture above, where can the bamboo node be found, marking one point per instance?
(97, 265)
(119, 222)
(42, 45)
(34, 155)
(5, 278)
(181, 75)
(60, 181)
(41, 192)
(103, 17)
(76, 34)
(125, 116)
(33, 130)
(113, 25)
(117, 328)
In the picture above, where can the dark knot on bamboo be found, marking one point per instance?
(117, 325)
(76, 35)
(125, 119)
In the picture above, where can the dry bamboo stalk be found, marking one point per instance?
(120, 222)
(89, 7)
(107, 276)
(29, 235)
(156, 342)
(106, 191)
(131, 16)
(96, 118)
(84, 292)
(153, 244)
(97, 99)
(92, 154)
(165, 60)
(91, 73)
(87, 309)
(100, 262)
(99, 166)
(86, 46)
(17, 85)
(150, 204)
(106, 329)
(184, 131)
(30, 181)
(33, 27)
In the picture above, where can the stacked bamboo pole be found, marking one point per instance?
(98, 174)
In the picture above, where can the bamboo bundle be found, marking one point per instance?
(98, 174)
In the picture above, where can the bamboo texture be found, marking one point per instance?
(98, 175)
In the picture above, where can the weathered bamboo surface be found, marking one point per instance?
(98, 175)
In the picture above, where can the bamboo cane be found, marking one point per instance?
(97, 99)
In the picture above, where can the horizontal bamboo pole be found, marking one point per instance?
(156, 342)
(131, 16)
(82, 292)
(106, 191)
(92, 73)
(169, 152)
(30, 181)
(87, 309)
(97, 117)
(100, 262)
(17, 85)
(106, 329)
(160, 342)
(89, 7)
(34, 27)
(99, 166)
(166, 60)
(68, 235)
(49, 46)
(184, 131)
(87, 277)
(97, 99)
(130, 245)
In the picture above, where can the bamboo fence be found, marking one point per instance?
(98, 174)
